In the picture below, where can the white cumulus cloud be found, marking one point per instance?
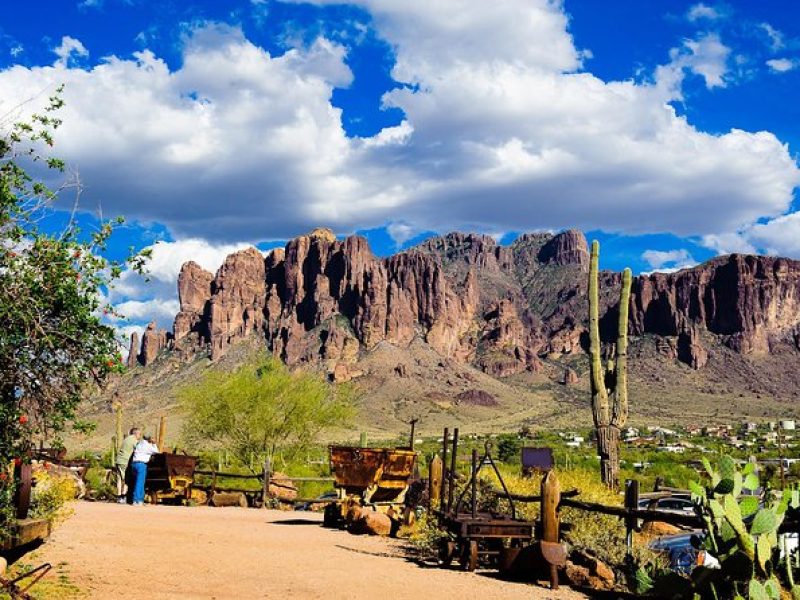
(141, 299)
(503, 130)
(782, 65)
(667, 261)
(701, 11)
(69, 48)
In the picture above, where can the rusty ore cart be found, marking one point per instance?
(376, 477)
(170, 477)
(477, 536)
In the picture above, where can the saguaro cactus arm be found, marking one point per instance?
(620, 408)
(600, 406)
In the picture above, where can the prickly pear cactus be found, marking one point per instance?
(742, 534)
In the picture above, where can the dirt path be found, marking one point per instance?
(158, 552)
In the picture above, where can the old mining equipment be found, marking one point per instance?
(374, 477)
(476, 536)
(170, 477)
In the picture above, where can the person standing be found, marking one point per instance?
(122, 461)
(141, 456)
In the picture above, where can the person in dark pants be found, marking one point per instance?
(122, 463)
(141, 456)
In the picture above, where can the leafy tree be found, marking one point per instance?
(262, 408)
(53, 343)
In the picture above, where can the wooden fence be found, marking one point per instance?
(265, 478)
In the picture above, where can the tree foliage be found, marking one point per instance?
(53, 342)
(262, 408)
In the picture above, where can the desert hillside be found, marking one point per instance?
(461, 330)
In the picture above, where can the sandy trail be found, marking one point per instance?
(156, 552)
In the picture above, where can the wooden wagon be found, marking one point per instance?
(170, 477)
(377, 477)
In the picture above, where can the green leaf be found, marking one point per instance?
(796, 592)
(726, 532)
(725, 486)
(763, 552)
(756, 591)
(749, 468)
(733, 514)
(696, 489)
(748, 505)
(707, 466)
(773, 588)
(727, 467)
(765, 521)
(750, 481)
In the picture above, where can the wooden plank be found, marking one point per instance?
(640, 513)
(26, 531)
(551, 498)
(317, 479)
(434, 482)
(258, 476)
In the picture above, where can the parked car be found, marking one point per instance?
(676, 504)
(683, 550)
(326, 497)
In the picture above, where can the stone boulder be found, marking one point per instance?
(369, 522)
(282, 488)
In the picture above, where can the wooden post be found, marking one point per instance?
(551, 497)
(445, 474)
(434, 482)
(413, 427)
(162, 433)
(265, 484)
(118, 410)
(451, 476)
(780, 456)
(631, 503)
(474, 499)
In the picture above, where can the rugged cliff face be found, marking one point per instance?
(502, 309)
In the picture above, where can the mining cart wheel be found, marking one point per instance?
(331, 516)
(469, 556)
(447, 552)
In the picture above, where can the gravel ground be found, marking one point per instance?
(155, 552)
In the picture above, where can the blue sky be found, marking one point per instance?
(668, 130)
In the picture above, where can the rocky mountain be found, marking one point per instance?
(500, 308)
(459, 315)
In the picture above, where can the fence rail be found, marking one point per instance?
(265, 478)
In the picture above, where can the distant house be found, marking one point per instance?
(673, 448)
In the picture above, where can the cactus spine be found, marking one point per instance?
(609, 383)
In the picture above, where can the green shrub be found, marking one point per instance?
(51, 497)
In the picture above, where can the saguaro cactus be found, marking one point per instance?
(609, 383)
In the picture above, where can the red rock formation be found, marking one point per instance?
(329, 300)
(748, 302)
(194, 294)
(566, 248)
(153, 341)
(238, 299)
(133, 353)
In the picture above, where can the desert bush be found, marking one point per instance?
(52, 496)
(98, 486)
(424, 535)
(263, 409)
